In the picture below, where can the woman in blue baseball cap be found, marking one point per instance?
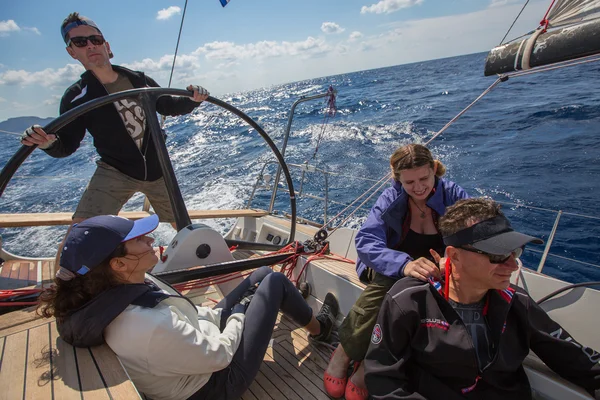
(171, 348)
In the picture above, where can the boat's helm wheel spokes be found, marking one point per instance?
(148, 97)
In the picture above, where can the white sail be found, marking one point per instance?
(566, 12)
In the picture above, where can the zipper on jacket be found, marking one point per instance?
(145, 167)
(124, 126)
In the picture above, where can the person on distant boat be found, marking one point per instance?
(466, 336)
(128, 160)
(399, 238)
(170, 348)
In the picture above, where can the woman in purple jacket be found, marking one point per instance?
(399, 238)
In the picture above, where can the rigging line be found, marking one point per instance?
(564, 258)
(501, 78)
(520, 37)
(163, 118)
(513, 24)
(544, 20)
(563, 64)
(70, 178)
(11, 133)
(321, 134)
(379, 182)
(360, 205)
(383, 180)
(177, 45)
(547, 209)
(486, 91)
(335, 173)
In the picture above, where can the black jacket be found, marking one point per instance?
(420, 348)
(111, 139)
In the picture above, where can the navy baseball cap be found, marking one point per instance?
(492, 236)
(64, 30)
(93, 240)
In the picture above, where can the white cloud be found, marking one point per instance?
(355, 36)
(331, 27)
(500, 3)
(52, 100)
(416, 40)
(33, 29)
(2, 99)
(184, 62)
(227, 65)
(228, 51)
(167, 13)
(49, 77)
(8, 26)
(389, 6)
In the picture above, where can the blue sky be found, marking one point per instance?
(248, 44)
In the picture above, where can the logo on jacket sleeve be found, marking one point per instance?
(377, 335)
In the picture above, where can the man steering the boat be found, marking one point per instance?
(466, 336)
(128, 160)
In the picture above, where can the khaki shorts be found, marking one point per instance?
(109, 189)
(355, 332)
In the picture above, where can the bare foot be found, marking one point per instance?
(338, 365)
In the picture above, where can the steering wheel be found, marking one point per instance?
(147, 97)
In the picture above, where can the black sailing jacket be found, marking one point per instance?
(420, 348)
(111, 139)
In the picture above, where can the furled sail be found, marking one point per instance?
(566, 12)
(569, 30)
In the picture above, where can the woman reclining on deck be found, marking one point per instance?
(396, 240)
(171, 348)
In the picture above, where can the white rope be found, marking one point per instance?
(529, 49)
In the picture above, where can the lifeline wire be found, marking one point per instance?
(501, 78)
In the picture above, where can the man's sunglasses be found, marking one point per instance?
(496, 258)
(81, 41)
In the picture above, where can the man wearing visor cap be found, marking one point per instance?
(467, 335)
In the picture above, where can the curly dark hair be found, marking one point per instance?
(64, 297)
(467, 212)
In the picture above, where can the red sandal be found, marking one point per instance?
(353, 392)
(335, 387)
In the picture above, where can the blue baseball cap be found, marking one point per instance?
(93, 240)
(64, 30)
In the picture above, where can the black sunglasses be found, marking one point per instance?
(496, 258)
(81, 41)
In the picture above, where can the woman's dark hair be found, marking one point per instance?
(414, 156)
(64, 297)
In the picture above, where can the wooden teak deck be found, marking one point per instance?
(36, 364)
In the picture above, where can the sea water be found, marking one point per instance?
(533, 141)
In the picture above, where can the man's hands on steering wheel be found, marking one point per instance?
(35, 135)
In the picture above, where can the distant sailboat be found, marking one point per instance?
(569, 30)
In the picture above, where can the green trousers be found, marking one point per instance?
(355, 332)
